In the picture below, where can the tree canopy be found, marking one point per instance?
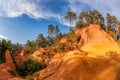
(71, 16)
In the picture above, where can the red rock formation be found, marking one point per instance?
(9, 60)
(20, 56)
(5, 67)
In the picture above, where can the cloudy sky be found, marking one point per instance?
(22, 20)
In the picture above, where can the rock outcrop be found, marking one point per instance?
(73, 66)
(41, 56)
(21, 56)
(97, 41)
(5, 67)
(9, 60)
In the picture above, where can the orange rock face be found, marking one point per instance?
(21, 56)
(40, 55)
(5, 75)
(4, 67)
(9, 60)
(93, 34)
(76, 67)
(97, 41)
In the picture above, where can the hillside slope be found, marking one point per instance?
(76, 67)
(97, 41)
(96, 65)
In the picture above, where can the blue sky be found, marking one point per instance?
(22, 20)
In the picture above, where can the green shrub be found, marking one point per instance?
(60, 47)
(29, 78)
(29, 67)
(12, 71)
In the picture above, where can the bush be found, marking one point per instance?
(12, 71)
(60, 47)
(29, 78)
(80, 24)
(29, 67)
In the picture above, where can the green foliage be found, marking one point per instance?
(29, 67)
(80, 24)
(94, 17)
(71, 16)
(118, 24)
(111, 22)
(71, 37)
(53, 34)
(60, 47)
(52, 39)
(4, 45)
(50, 30)
(57, 30)
(41, 41)
(71, 40)
(91, 17)
(29, 78)
(12, 71)
(30, 45)
(7, 45)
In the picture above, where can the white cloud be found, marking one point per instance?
(32, 8)
(3, 37)
(104, 6)
(37, 9)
